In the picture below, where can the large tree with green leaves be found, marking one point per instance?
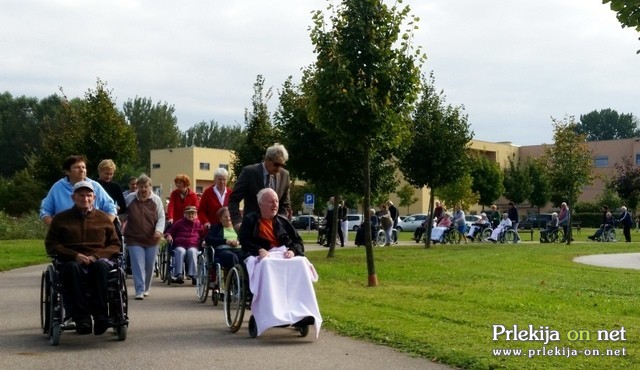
(607, 124)
(517, 182)
(626, 182)
(155, 125)
(365, 81)
(258, 128)
(213, 135)
(406, 195)
(540, 188)
(568, 163)
(435, 155)
(627, 12)
(487, 179)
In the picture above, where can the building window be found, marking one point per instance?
(638, 159)
(155, 165)
(602, 161)
(204, 166)
(225, 166)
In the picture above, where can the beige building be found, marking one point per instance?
(200, 163)
(197, 163)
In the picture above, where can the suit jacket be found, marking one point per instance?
(249, 183)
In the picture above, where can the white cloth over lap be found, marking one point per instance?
(282, 290)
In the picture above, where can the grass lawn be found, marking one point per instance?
(442, 303)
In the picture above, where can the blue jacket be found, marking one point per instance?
(59, 198)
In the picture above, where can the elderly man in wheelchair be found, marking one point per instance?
(279, 276)
(83, 242)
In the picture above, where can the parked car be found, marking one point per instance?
(302, 222)
(471, 219)
(410, 223)
(354, 221)
(535, 221)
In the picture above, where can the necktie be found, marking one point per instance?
(270, 182)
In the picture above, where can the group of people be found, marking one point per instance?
(83, 233)
(609, 222)
(385, 218)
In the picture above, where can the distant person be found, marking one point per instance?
(106, 170)
(438, 212)
(180, 198)
(607, 224)
(459, 221)
(515, 219)
(145, 225)
(437, 233)
(343, 224)
(393, 211)
(552, 226)
(133, 186)
(224, 240)
(502, 227)
(269, 173)
(386, 223)
(478, 226)
(329, 223)
(84, 239)
(563, 220)
(495, 216)
(213, 198)
(627, 222)
(59, 197)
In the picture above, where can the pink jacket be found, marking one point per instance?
(186, 233)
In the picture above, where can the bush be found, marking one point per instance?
(29, 226)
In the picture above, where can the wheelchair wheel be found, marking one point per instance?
(55, 310)
(235, 297)
(218, 284)
(253, 327)
(558, 237)
(121, 332)
(45, 302)
(304, 330)
(452, 237)
(167, 265)
(202, 277)
(612, 236)
(381, 239)
(394, 236)
(54, 336)
(486, 234)
(160, 260)
(118, 302)
(510, 236)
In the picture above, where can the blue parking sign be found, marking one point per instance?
(309, 198)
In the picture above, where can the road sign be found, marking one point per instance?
(309, 199)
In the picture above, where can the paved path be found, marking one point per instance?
(619, 260)
(170, 329)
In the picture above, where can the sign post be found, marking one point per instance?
(308, 204)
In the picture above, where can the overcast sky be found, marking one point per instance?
(513, 64)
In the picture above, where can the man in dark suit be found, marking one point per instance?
(255, 177)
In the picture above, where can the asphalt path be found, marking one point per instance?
(171, 329)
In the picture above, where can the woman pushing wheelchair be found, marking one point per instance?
(280, 277)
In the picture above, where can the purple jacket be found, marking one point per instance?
(186, 233)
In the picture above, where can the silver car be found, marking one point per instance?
(410, 223)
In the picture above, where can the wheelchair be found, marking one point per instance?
(553, 236)
(322, 234)
(208, 276)
(52, 308)
(381, 239)
(166, 262)
(507, 235)
(237, 299)
(609, 235)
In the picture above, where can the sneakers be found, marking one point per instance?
(83, 326)
(591, 237)
(140, 296)
(177, 280)
(69, 324)
(146, 294)
(101, 324)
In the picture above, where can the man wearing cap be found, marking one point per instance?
(185, 235)
(84, 239)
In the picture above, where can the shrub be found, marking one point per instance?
(29, 226)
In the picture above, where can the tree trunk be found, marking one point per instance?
(334, 230)
(371, 268)
(427, 243)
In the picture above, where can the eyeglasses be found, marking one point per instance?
(277, 164)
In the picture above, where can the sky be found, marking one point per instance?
(512, 64)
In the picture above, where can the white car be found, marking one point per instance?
(353, 222)
(410, 223)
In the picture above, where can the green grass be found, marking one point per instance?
(440, 303)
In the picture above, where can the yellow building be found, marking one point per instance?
(197, 163)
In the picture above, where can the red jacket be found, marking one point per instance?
(210, 204)
(175, 209)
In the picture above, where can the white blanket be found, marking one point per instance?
(282, 290)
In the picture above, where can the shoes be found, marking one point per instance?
(591, 237)
(308, 320)
(193, 280)
(140, 296)
(341, 245)
(387, 245)
(470, 238)
(146, 294)
(83, 326)
(177, 280)
(69, 324)
(101, 324)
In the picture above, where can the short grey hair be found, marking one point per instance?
(624, 209)
(264, 191)
(220, 172)
(144, 180)
(276, 151)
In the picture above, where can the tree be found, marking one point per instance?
(627, 183)
(213, 135)
(517, 183)
(405, 193)
(540, 188)
(436, 153)
(627, 12)
(487, 179)
(365, 81)
(155, 126)
(607, 124)
(458, 192)
(568, 163)
(21, 194)
(258, 128)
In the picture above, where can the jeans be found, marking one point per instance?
(182, 257)
(142, 263)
